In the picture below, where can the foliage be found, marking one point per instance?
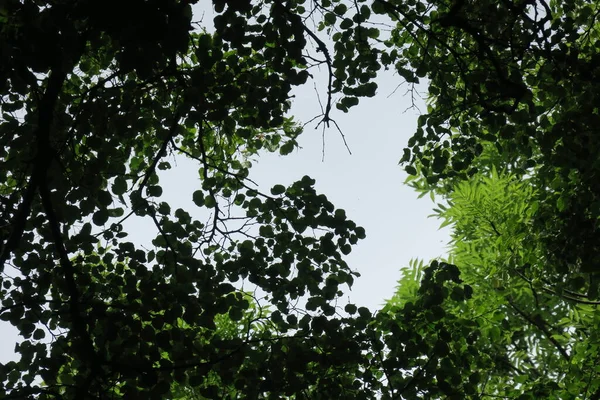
(540, 338)
(254, 322)
(94, 102)
(98, 97)
(523, 82)
(509, 143)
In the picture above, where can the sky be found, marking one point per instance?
(368, 184)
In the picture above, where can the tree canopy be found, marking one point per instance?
(97, 98)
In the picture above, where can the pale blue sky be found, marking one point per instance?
(368, 184)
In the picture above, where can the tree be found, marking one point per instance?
(253, 324)
(97, 97)
(509, 143)
(511, 148)
(524, 80)
(94, 102)
(536, 340)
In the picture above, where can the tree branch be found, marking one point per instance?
(80, 326)
(41, 161)
(160, 154)
(542, 327)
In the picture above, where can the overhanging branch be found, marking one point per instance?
(541, 325)
(42, 160)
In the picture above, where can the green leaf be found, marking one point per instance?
(236, 314)
(330, 18)
(346, 249)
(287, 148)
(39, 334)
(346, 23)
(119, 187)
(198, 198)
(164, 208)
(210, 202)
(277, 190)
(350, 308)
(410, 170)
(100, 217)
(340, 9)
(154, 191)
(360, 232)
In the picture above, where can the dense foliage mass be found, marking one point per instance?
(97, 98)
